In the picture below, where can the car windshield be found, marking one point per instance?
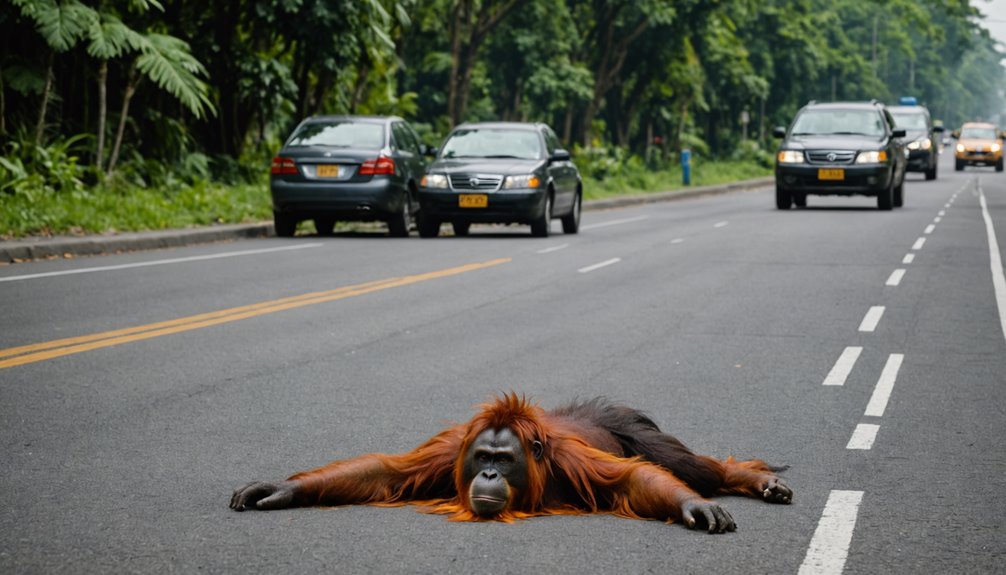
(493, 143)
(339, 134)
(910, 121)
(978, 134)
(837, 122)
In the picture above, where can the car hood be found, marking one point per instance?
(972, 143)
(833, 142)
(912, 135)
(503, 166)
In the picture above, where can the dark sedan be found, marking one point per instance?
(347, 168)
(500, 172)
(843, 149)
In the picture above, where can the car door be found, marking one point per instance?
(561, 171)
(410, 154)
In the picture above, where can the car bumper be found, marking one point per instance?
(978, 158)
(921, 160)
(520, 206)
(866, 180)
(357, 200)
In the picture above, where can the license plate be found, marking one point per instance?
(473, 201)
(831, 174)
(328, 171)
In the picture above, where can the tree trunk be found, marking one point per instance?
(99, 156)
(40, 128)
(133, 81)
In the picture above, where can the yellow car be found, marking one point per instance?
(979, 144)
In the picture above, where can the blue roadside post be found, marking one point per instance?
(686, 167)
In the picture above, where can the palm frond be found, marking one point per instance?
(167, 61)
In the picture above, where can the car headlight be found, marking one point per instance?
(872, 157)
(921, 144)
(960, 148)
(434, 181)
(790, 157)
(996, 148)
(525, 181)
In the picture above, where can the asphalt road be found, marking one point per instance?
(156, 382)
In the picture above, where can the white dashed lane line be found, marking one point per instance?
(553, 249)
(885, 386)
(864, 436)
(918, 244)
(598, 266)
(895, 277)
(829, 547)
(843, 367)
(872, 318)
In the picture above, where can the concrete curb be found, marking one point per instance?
(72, 246)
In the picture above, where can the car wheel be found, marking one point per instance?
(398, 223)
(931, 172)
(461, 228)
(324, 226)
(899, 195)
(571, 221)
(885, 197)
(958, 166)
(428, 227)
(999, 165)
(800, 200)
(783, 198)
(285, 224)
(540, 227)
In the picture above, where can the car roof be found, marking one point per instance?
(920, 109)
(501, 125)
(352, 118)
(872, 105)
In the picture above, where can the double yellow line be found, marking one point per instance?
(33, 353)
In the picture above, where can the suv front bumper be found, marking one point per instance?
(865, 180)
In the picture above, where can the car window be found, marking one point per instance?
(910, 120)
(551, 141)
(401, 137)
(492, 143)
(978, 133)
(826, 121)
(339, 134)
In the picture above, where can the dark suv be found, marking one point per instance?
(500, 172)
(841, 149)
(921, 135)
(347, 168)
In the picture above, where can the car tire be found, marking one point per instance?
(800, 200)
(571, 221)
(461, 229)
(931, 172)
(285, 224)
(428, 227)
(898, 194)
(324, 226)
(885, 197)
(999, 165)
(783, 198)
(398, 223)
(958, 166)
(540, 226)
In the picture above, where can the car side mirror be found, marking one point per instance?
(560, 155)
(938, 129)
(898, 132)
(429, 151)
(779, 132)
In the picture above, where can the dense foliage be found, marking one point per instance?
(153, 93)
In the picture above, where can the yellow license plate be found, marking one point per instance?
(831, 174)
(473, 201)
(328, 171)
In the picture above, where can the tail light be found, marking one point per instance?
(283, 166)
(382, 166)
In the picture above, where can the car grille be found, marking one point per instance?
(830, 157)
(479, 182)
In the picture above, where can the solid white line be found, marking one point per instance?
(919, 243)
(995, 261)
(677, 240)
(614, 222)
(553, 249)
(909, 258)
(829, 547)
(843, 367)
(929, 229)
(895, 277)
(885, 385)
(863, 437)
(158, 262)
(720, 224)
(600, 265)
(872, 318)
